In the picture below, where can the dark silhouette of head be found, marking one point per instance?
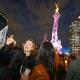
(46, 57)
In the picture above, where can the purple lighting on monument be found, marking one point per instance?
(56, 43)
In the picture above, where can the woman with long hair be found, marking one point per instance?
(29, 51)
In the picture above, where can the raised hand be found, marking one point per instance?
(10, 40)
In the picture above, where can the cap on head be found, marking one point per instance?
(3, 20)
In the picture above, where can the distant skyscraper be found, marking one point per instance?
(75, 35)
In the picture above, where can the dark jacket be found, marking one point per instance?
(73, 72)
(28, 62)
(10, 63)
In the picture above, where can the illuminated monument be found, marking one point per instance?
(56, 43)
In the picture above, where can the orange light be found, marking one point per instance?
(66, 61)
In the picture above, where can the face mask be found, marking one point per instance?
(3, 33)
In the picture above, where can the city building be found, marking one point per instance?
(75, 35)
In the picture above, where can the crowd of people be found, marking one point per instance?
(32, 61)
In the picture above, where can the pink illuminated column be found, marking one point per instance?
(54, 40)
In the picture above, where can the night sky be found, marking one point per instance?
(33, 18)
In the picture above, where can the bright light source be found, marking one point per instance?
(66, 61)
(78, 17)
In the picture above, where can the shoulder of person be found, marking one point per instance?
(39, 72)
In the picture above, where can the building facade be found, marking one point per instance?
(75, 36)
